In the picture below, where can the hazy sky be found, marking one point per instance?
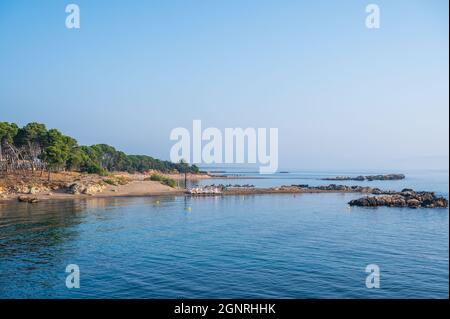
(342, 95)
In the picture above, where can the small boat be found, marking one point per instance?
(207, 190)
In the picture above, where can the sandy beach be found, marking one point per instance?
(132, 189)
(32, 188)
(70, 185)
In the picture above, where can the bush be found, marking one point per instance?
(163, 180)
(110, 181)
(170, 182)
(122, 180)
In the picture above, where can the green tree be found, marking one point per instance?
(75, 159)
(58, 149)
(7, 133)
(55, 157)
(32, 137)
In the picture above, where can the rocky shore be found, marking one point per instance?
(289, 189)
(388, 177)
(405, 198)
(69, 186)
(80, 185)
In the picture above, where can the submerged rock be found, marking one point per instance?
(27, 199)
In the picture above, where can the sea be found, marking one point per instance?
(259, 246)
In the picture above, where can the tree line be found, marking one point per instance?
(33, 148)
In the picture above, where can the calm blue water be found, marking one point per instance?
(302, 246)
(426, 180)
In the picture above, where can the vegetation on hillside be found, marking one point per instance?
(33, 147)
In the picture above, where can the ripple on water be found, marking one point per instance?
(305, 246)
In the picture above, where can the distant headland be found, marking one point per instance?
(388, 177)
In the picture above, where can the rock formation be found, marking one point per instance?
(387, 177)
(405, 198)
(28, 199)
(88, 189)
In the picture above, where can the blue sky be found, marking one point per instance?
(342, 95)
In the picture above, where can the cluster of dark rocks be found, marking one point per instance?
(28, 199)
(406, 198)
(300, 185)
(388, 177)
(231, 185)
(344, 188)
(336, 188)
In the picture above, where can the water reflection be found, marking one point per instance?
(305, 245)
(34, 227)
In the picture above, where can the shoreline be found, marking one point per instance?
(76, 186)
(405, 198)
(175, 192)
(70, 185)
(167, 191)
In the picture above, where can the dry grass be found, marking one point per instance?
(38, 178)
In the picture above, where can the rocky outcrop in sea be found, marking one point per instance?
(388, 177)
(405, 198)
